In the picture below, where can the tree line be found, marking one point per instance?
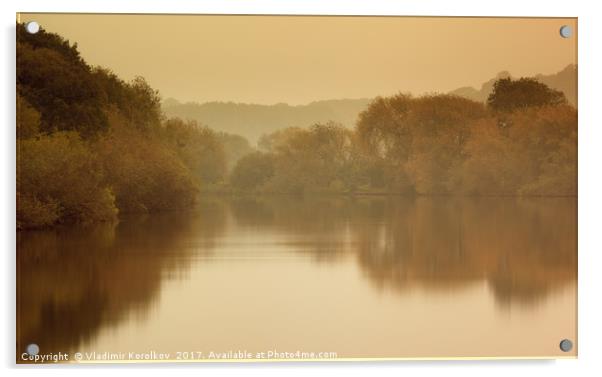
(91, 145)
(523, 141)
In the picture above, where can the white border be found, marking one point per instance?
(590, 187)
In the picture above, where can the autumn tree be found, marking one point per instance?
(146, 175)
(416, 143)
(60, 180)
(198, 147)
(90, 144)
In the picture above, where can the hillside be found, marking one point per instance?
(252, 121)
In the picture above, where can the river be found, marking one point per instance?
(369, 277)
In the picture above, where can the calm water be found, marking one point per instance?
(369, 277)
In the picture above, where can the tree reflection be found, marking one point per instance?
(74, 281)
(522, 247)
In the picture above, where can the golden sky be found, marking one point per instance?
(293, 59)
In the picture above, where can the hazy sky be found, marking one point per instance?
(270, 59)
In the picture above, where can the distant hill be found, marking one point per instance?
(252, 121)
(565, 81)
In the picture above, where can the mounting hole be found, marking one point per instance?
(566, 345)
(566, 31)
(32, 27)
(33, 349)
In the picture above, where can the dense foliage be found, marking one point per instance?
(90, 145)
(430, 145)
(508, 94)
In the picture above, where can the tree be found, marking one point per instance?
(198, 147)
(58, 84)
(90, 143)
(509, 95)
(548, 136)
(252, 171)
(235, 148)
(535, 155)
(319, 158)
(60, 180)
(145, 173)
(415, 144)
(136, 101)
(495, 164)
(28, 119)
(383, 130)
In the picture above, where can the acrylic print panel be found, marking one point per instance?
(210, 188)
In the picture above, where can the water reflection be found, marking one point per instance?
(523, 247)
(74, 282)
